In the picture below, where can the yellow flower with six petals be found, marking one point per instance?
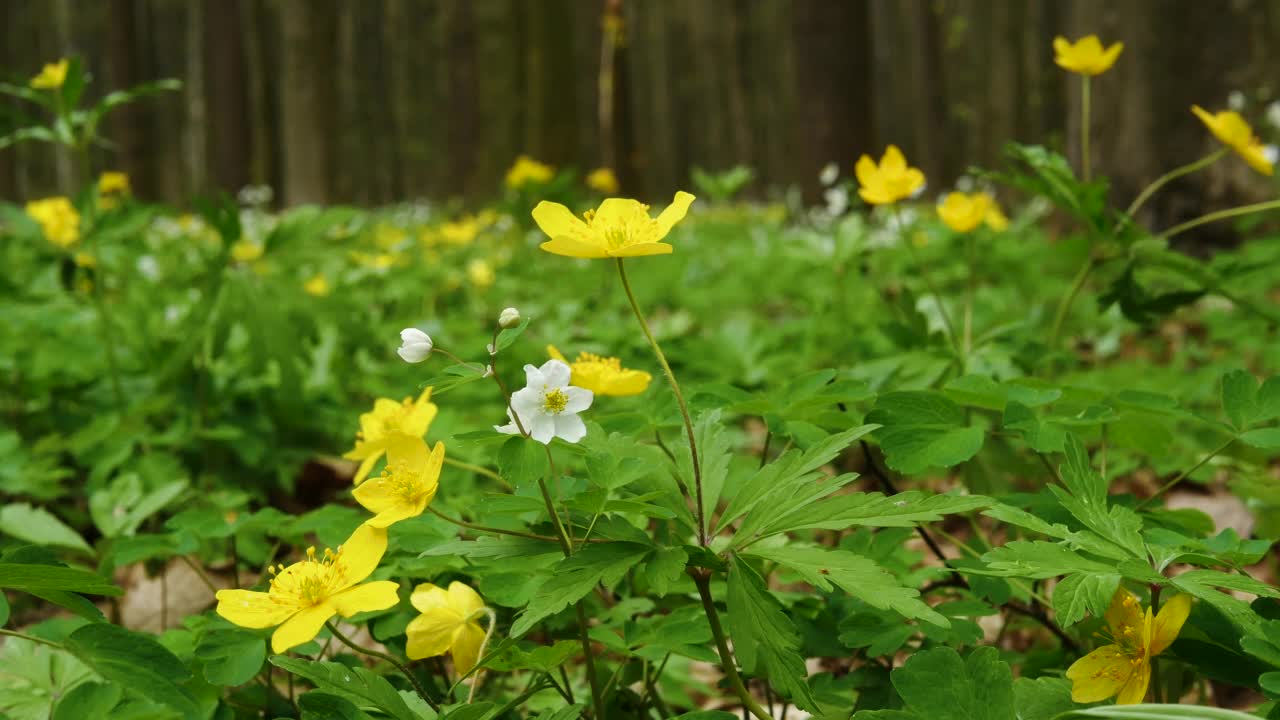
(51, 76)
(1086, 56)
(1229, 127)
(603, 375)
(890, 181)
(618, 228)
(1123, 668)
(603, 180)
(964, 212)
(407, 485)
(448, 623)
(388, 417)
(303, 596)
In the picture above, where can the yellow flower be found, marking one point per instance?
(245, 251)
(619, 228)
(996, 219)
(407, 484)
(51, 76)
(480, 273)
(303, 596)
(1229, 127)
(603, 180)
(963, 212)
(111, 187)
(58, 219)
(388, 237)
(85, 260)
(1085, 56)
(317, 286)
(388, 417)
(892, 180)
(448, 623)
(1123, 668)
(461, 231)
(527, 170)
(603, 375)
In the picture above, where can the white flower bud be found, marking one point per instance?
(509, 317)
(493, 350)
(488, 371)
(415, 345)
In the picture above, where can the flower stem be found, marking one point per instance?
(728, 664)
(30, 638)
(204, 577)
(488, 635)
(333, 629)
(928, 282)
(494, 530)
(1169, 177)
(1220, 215)
(478, 470)
(1084, 127)
(970, 289)
(1064, 306)
(675, 388)
(1183, 475)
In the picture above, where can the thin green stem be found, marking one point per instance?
(1064, 306)
(1157, 689)
(105, 324)
(333, 629)
(702, 579)
(597, 700)
(970, 289)
(1169, 177)
(675, 388)
(1084, 127)
(928, 282)
(1183, 475)
(493, 530)
(204, 577)
(488, 635)
(30, 638)
(1220, 215)
(478, 470)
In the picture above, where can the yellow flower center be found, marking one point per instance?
(554, 402)
(405, 481)
(308, 582)
(604, 363)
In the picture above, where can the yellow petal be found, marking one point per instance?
(1257, 158)
(642, 249)
(431, 633)
(466, 647)
(1061, 45)
(1169, 622)
(620, 212)
(627, 382)
(301, 628)
(377, 595)
(253, 609)
(1089, 46)
(463, 599)
(1124, 615)
(361, 553)
(1110, 56)
(571, 247)
(876, 195)
(893, 161)
(1099, 675)
(1135, 689)
(865, 171)
(674, 213)
(427, 597)
(377, 496)
(556, 220)
(366, 465)
(408, 449)
(555, 354)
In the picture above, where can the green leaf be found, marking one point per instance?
(522, 461)
(938, 684)
(765, 639)
(39, 578)
(318, 705)
(573, 577)
(1082, 593)
(231, 656)
(1239, 397)
(39, 526)
(88, 700)
(1042, 698)
(860, 577)
(510, 335)
(134, 661)
(1038, 559)
(664, 567)
(1262, 438)
(906, 509)
(1215, 578)
(1156, 712)
(923, 429)
(33, 676)
(365, 688)
(715, 448)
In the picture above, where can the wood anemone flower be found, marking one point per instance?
(1085, 56)
(448, 623)
(410, 417)
(619, 228)
(890, 181)
(407, 485)
(1234, 132)
(1123, 668)
(603, 375)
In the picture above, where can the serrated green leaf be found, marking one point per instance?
(1081, 593)
(231, 656)
(318, 705)
(572, 578)
(664, 567)
(1042, 698)
(1039, 560)
(1239, 397)
(39, 526)
(1230, 581)
(363, 687)
(88, 700)
(1262, 438)
(522, 461)
(134, 661)
(938, 684)
(923, 429)
(32, 577)
(764, 638)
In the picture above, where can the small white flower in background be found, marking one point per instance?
(830, 173)
(964, 184)
(1271, 153)
(415, 345)
(1235, 100)
(837, 200)
(148, 267)
(920, 191)
(510, 317)
(548, 405)
(1273, 114)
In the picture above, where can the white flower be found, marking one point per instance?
(1271, 153)
(148, 267)
(1273, 114)
(509, 317)
(1235, 100)
(837, 200)
(415, 345)
(547, 405)
(830, 173)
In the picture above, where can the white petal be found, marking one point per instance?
(527, 401)
(413, 353)
(570, 427)
(579, 399)
(555, 373)
(541, 428)
(533, 377)
(508, 429)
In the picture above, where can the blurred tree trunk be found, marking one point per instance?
(307, 99)
(229, 146)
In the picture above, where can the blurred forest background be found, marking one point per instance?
(376, 101)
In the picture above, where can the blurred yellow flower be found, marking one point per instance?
(245, 251)
(1086, 56)
(603, 180)
(51, 76)
(526, 170)
(317, 286)
(407, 485)
(58, 219)
(461, 231)
(603, 375)
(1123, 668)
(388, 417)
(388, 237)
(996, 219)
(111, 187)
(619, 228)
(963, 212)
(448, 623)
(85, 260)
(890, 181)
(302, 597)
(1234, 132)
(480, 273)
